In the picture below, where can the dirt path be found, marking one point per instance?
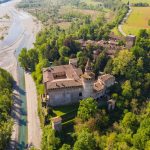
(34, 130)
(122, 23)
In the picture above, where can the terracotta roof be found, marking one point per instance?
(89, 75)
(68, 76)
(105, 77)
(56, 119)
(99, 86)
(66, 83)
(73, 61)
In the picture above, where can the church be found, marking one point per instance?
(67, 84)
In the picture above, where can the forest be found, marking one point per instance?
(126, 127)
(6, 122)
(94, 127)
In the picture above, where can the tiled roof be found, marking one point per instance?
(98, 86)
(105, 77)
(66, 83)
(71, 77)
(56, 119)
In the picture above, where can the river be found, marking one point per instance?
(3, 1)
(20, 35)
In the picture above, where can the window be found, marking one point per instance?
(80, 94)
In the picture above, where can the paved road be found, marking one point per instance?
(20, 35)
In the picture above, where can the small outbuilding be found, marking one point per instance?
(111, 104)
(57, 123)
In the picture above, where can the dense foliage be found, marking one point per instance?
(127, 127)
(52, 12)
(55, 46)
(6, 82)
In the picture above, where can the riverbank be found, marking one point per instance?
(4, 1)
(20, 35)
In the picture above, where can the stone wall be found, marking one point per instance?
(87, 87)
(64, 96)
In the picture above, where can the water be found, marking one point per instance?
(3, 1)
(23, 130)
(15, 32)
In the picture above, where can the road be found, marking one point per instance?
(21, 35)
(124, 20)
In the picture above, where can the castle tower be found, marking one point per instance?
(130, 41)
(88, 80)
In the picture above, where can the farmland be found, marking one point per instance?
(137, 1)
(137, 20)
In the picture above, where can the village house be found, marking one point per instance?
(111, 46)
(67, 84)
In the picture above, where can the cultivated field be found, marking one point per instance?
(137, 20)
(137, 1)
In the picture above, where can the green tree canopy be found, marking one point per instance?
(87, 108)
(85, 140)
(49, 140)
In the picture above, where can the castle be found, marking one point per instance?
(67, 84)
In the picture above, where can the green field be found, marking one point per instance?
(62, 110)
(136, 1)
(137, 20)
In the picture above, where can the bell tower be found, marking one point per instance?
(88, 79)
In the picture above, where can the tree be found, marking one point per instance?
(109, 66)
(143, 33)
(38, 71)
(100, 63)
(49, 140)
(6, 87)
(142, 136)
(127, 89)
(111, 140)
(83, 32)
(138, 51)
(87, 108)
(65, 147)
(130, 122)
(124, 64)
(64, 51)
(33, 58)
(23, 59)
(85, 140)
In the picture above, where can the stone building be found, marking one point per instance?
(130, 41)
(57, 123)
(67, 84)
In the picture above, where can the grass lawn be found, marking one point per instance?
(59, 111)
(137, 20)
(137, 1)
